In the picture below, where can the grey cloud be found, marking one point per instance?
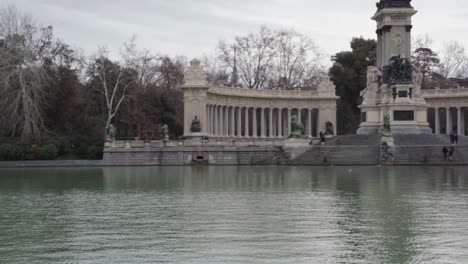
(193, 27)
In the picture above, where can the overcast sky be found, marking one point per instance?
(194, 27)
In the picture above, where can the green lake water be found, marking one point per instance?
(234, 215)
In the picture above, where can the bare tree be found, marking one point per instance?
(23, 46)
(114, 80)
(217, 70)
(298, 57)
(252, 56)
(282, 59)
(454, 58)
(153, 70)
(422, 41)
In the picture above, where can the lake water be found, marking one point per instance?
(234, 215)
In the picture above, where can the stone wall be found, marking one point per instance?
(179, 156)
(428, 155)
(339, 155)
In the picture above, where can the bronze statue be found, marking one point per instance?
(387, 130)
(196, 125)
(297, 129)
(329, 130)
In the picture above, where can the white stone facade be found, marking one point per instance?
(447, 108)
(227, 112)
(394, 87)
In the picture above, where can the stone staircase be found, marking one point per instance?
(354, 140)
(341, 150)
(421, 140)
(365, 150)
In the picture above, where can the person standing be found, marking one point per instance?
(451, 152)
(445, 151)
(322, 138)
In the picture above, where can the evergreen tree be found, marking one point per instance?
(349, 72)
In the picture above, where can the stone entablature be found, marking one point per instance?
(269, 98)
(445, 93)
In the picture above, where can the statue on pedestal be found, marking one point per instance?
(399, 71)
(373, 83)
(297, 129)
(196, 125)
(111, 132)
(417, 80)
(387, 130)
(164, 131)
(329, 130)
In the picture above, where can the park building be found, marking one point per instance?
(227, 112)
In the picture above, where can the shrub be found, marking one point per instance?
(10, 151)
(47, 152)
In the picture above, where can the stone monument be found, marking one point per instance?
(394, 84)
(297, 129)
(195, 100)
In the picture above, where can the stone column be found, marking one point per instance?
(208, 117)
(299, 115)
(226, 121)
(215, 120)
(239, 122)
(280, 123)
(289, 123)
(254, 123)
(270, 124)
(459, 121)
(463, 121)
(210, 120)
(233, 121)
(309, 123)
(449, 121)
(262, 117)
(246, 133)
(437, 120)
(220, 121)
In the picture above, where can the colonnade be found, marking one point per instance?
(259, 122)
(448, 119)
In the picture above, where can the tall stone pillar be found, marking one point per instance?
(239, 122)
(393, 86)
(289, 122)
(254, 123)
(215, 123)
(437, 120)
(208, 119)
(226, 121)
(221, 121)
(459, 121)
(270, 123)
(309, 123)
(233, 121)
(449, 121)
(195, 98)
(246, 133)
(280, 123)
(463, 121)
(299, 115)
(262, 117)
(211, 119)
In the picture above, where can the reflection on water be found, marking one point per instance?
(234, 215)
